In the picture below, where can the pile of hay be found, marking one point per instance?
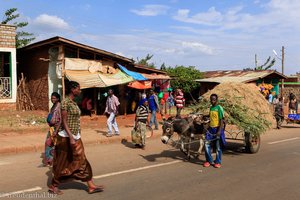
(244, 106)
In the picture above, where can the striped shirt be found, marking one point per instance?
(179, 99)
(142, 113)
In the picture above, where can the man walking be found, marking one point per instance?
(215, 133)
(154, 107)
(111, 110)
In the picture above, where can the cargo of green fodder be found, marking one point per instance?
(243, 104)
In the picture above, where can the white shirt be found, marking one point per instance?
(63, 133)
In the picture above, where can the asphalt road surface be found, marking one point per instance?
(162, 172)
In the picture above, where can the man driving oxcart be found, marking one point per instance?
(215, 133)
(247, 113)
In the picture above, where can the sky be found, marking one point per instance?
(207, 34)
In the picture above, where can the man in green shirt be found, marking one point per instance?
(215, 133)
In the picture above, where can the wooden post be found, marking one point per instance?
(95, 98)
(61, 57)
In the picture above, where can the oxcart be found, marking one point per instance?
(190, 134)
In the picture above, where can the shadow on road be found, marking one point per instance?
(101, 132)
(128, 144)
(231, 149)
(73, 185)
(173, 154)
(290, 126)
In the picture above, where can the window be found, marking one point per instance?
(5, 75)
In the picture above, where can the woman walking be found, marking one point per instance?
(69, 159)
(54, 121)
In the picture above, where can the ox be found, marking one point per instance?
(188, 128)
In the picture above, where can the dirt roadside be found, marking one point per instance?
(26, 131)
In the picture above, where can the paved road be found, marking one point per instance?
(161, 172)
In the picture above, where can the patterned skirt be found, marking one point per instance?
(49, 147)
(70, 162)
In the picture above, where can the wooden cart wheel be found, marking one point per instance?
(252, 142)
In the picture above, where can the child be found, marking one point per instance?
(215, 133)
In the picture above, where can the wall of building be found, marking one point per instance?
(295, 89)
(36, 73)
(8, 106)
(7, 36)
(8, 44)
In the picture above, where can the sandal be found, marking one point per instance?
(55, 190)
(96, 189)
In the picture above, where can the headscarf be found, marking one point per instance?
(142, 101)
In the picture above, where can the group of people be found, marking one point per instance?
(68, 158)
(278, 104)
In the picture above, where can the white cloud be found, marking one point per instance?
(151, 10)
(50, 23)
(276, 14)
(211, 17)
(198, 47)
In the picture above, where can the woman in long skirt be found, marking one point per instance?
(69, 158)
(54, 121)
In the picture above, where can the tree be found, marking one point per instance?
(267, 65)
(145, 61)
(163, 67)
(23, 38)
(184, 78)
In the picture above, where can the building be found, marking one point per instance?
(8, 67)
(48, 63)
(292, 85)
(213, 78)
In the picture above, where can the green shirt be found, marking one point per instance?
(216, 113)
(73, 115)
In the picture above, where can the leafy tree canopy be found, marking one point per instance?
(22, 38)
(184, 77)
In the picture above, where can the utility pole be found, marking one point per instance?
(255, 61)
(282, 66)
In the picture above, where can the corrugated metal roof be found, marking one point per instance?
(156, 76)
(58, 40)
(239, 76)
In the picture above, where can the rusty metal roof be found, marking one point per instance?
(240, 76)
(60, 40)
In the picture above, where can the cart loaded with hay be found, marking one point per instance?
(247, 112)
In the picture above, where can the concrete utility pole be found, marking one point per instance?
(282, 66)
(255, 61)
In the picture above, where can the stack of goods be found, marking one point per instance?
(243, 104)
(265, 89)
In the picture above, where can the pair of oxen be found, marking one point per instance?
(187, 128)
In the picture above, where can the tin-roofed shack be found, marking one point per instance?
(213, 78)
(46, 64)
(43, 65)
(292, 85)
